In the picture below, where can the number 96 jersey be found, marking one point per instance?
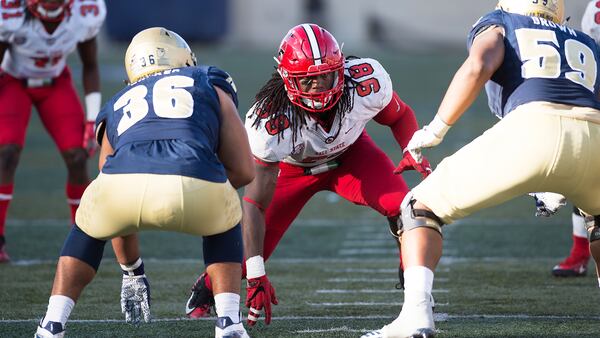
(33, 52)
(543, 61)
(271, 139)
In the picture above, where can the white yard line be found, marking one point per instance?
(438, 317)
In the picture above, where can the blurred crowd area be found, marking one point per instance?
(260, 24)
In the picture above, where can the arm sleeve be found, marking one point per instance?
(401, 119)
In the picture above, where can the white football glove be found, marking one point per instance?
(547, 203)
(429, 136)
(135, 294)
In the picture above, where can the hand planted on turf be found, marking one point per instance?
(135, 299)
(259, 295)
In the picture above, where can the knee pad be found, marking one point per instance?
(83, 247)
(224, 247)
(412, 218)
(395, 225)
(592, 224)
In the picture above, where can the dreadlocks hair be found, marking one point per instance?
(271, 101)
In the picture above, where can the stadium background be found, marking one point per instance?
(335, 269)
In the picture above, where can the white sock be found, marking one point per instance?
(227, 304)
(579, 229)
(418, 283)
(59, 309)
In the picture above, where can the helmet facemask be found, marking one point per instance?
(50, 10)
(314, 101)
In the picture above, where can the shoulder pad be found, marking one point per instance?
(495, 18)
(265, 142)
(223, 80)
(12, 16)
(373, 86)
(89, 15)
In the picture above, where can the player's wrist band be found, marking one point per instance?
(255, 267)
(438, 126)
(92, 105)
(135, 269)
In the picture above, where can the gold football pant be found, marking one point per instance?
(121, 204)
(540, 146)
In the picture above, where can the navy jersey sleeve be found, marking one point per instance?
(101, 124)
(221, 79)
(494, 18)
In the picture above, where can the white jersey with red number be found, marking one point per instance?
(33, 53)
(590, 22)
(315, 145)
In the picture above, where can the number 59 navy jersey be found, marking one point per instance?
(543, 61)
(168, 123)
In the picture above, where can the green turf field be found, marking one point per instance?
(335, 270)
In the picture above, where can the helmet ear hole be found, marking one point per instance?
(308, 50)
(156, 49)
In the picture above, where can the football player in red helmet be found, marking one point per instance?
(307, 133)
(35, 40)
(49, 10)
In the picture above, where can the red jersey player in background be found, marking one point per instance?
(307, 134)
(36, 36)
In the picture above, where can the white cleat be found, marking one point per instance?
(415, 321)
(225, 328)
(51, 330)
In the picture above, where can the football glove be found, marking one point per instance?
(259, 295)
(135, 293)
(547, 203)
(429, 136)
(89, 138)
(409, 163)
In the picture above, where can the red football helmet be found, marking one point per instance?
(49, 10)
(308, 50)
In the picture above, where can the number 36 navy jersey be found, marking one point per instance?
(168, 123)
(543, 61)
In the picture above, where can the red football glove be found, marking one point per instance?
(259, 294)
(409, 163)
(89, 138)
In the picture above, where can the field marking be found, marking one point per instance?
(374, 280)
(389, 242)
(336, 304)
(445, 260)
(367, 251)
(342, 291)
(375, 270)
(438, 317)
